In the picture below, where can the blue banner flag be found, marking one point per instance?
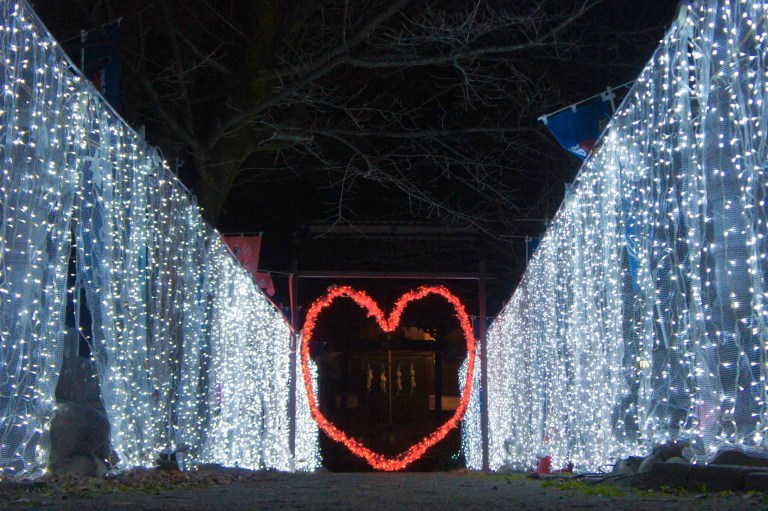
(101, 61)
(578, 127)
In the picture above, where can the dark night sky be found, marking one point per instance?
(280, 206)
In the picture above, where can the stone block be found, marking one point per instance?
(697, 477)
(756, 481)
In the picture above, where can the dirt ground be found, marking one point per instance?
(234, 489)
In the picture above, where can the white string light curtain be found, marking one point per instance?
(191, 356)
(641, 317)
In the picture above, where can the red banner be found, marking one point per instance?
(246, 249)
(264, 281)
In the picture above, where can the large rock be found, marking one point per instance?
(80, 466)
(663, 452)
(80, 443)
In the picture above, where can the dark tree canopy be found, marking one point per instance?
(294, 111)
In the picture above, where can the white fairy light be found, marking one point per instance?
(471, 432)
(307, 456)
(190, 355)
(642, 316)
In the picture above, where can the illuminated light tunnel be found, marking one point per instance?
(641, 318)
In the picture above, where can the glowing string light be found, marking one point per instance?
(190, 356)
(642, 317)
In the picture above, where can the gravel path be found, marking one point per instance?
(437, 491)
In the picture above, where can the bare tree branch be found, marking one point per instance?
(433, 104)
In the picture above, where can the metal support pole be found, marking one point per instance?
(389, 384)
(483, 370)
(83, 39)
(527, 244)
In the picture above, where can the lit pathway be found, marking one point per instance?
(372, 491)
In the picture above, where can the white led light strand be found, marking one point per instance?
(471, 434)
(307, 431)
(36, 203)
(641, 317)
(190, 355)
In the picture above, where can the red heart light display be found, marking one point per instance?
(376, 460)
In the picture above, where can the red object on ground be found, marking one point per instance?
(544, 466)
